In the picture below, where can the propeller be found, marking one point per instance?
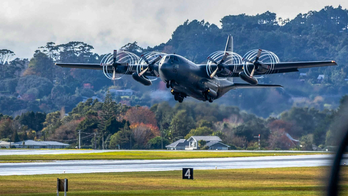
(256, 63)
(114, 65)
(219, 65)
(256, 59)
(118, 64)
(149, 65)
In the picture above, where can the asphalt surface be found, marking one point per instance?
(74, 151)
(93, 166)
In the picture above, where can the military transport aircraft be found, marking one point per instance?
(206, 82)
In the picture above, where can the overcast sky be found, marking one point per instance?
(109, 24)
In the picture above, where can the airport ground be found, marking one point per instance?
(272, 181)
(24, 155)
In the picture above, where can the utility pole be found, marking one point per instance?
(258, 140)
(95, 140)
(161, 140)
(79, 139)
(103, 140)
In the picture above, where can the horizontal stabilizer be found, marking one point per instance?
(243, 85)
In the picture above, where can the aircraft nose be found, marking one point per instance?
(165, 68)
(165, 71)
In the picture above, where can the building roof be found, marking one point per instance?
(205, 138)
(321, 76)
(3, 143)
(40, 143)
(211, 143)
(180, 142)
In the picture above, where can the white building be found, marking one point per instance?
(213, 142)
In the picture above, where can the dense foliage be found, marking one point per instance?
(43, 101)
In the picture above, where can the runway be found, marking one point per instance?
(93, 166)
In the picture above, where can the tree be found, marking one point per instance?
(123, 138)
(43, 85)
(156, 143)
(5, 55)
(68, 133)
(252, 128)
(137, 115)
(200, 131)
(41, 65)
(34, 120)
(109, 109)
(201, 143)
(142, 133)
(15, 137)
(181, 124)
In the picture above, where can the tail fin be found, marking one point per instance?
(229, 44)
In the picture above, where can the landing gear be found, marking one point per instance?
(169, 83)
(207, 97)
(178, 96)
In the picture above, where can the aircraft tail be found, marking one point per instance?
(229, 44)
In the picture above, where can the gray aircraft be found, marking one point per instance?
(206, 82)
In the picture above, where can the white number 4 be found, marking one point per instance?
(188, 174)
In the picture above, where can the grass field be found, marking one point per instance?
(275, 181)
(144, 155)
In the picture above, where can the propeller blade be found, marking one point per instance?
(258, 55)
(115, 56)
(214, 72)
(223, 58)
(156, 60)
(113, 73)
(248, 61)
(145, 59)
(252, 72)
(142, 72)
(212, 60)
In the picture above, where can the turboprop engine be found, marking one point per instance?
(259, 62)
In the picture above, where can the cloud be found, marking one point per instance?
(108, 24)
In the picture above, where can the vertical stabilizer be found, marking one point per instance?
(229, 44)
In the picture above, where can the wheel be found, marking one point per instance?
(176, 97)
(210, 100)
(181, 100)
(167, 84)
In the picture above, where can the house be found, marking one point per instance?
(178, 145)
(127, 92)
(4, 144)
(39, 144)
(213, 143)
(320, 77)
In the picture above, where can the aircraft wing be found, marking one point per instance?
(122, 68)
(282, 67)
(301, 65)
(81, 65)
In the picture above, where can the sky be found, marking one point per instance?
(26, 25)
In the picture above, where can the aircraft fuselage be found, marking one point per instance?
(189, 79)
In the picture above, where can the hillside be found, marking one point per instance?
(38, 85)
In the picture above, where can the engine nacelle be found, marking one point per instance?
(141, 79)
(211, 93)
(250, 80)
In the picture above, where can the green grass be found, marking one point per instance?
(275, 181)
(144, 155)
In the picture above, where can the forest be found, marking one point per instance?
(41, 101)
